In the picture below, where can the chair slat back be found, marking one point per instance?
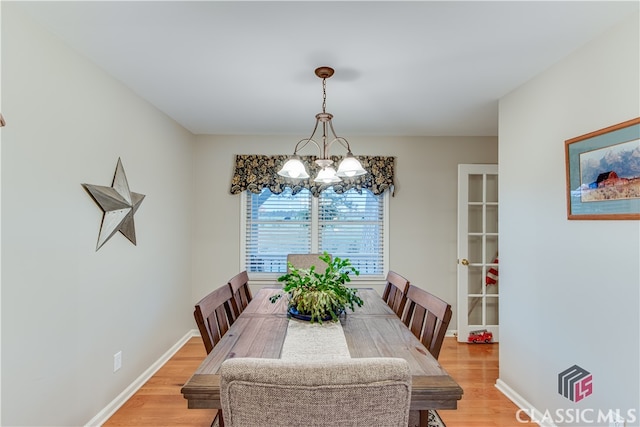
(239, 285)
(306, 261)
(395, 292)
(214, 315)
(428, 317)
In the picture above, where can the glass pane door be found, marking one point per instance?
(478, 296)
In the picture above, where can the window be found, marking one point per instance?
(350, 225)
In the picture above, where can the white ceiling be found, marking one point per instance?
(402, 68)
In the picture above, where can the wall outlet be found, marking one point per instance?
(117, 361)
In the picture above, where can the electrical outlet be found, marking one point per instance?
(117, 361)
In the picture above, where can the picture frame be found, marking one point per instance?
(603, 173)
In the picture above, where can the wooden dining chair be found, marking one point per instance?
(306, 261)
(283, 393)
(214, 315)
(428, 318)
(239, 285)
(395, 292)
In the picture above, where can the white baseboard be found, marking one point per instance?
(523, 404)
(126, 394)
(451, 333)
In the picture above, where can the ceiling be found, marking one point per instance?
(401, 68)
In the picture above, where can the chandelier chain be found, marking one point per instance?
(324, 95)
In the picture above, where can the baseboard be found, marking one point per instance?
(126, 394)
(522, 403)
(451, 333)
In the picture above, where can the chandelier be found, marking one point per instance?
(348, 167)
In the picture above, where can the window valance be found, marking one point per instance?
(253, 172)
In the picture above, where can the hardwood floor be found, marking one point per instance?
(159, 402)
(474, 366)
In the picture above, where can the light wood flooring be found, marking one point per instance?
(474, 366)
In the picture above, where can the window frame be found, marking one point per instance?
(271, 278)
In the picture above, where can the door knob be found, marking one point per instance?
(464, 261)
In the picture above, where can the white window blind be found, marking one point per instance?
(349, 225)
(276, 224)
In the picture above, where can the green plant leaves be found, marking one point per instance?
(320, 295)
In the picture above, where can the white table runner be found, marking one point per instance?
(306, 340)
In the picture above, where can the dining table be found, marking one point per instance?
(372, 330)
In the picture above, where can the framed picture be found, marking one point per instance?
(603, 173)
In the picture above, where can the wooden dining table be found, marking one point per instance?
(372, 330)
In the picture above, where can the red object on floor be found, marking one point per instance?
(480, 336)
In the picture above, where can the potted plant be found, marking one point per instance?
(318, 296)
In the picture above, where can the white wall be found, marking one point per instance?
(66, 309)
(569, 289)
(423, 213)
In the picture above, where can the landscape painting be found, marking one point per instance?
(611, 173)
(603, 173)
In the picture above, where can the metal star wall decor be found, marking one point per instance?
(118, 204)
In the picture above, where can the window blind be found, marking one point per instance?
(276, 225)
(347, 225)
(351, 225)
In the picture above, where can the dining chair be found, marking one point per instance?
(355, 392)
(214, 315)
(428, 318)
(395, 292)
(241, 293)
(306, 261)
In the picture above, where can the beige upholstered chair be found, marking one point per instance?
(306, 261)
(241, 293)
(364, 392)
(395, 292)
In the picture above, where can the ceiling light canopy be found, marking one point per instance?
(349, 166)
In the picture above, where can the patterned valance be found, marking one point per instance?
(253, 172)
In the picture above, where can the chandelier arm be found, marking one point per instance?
(342, 142)
(340, 139)
(307, 140)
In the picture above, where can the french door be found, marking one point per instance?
(478, 295)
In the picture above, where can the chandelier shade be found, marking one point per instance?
(349, 167)
(294, 168)
(327, 175)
